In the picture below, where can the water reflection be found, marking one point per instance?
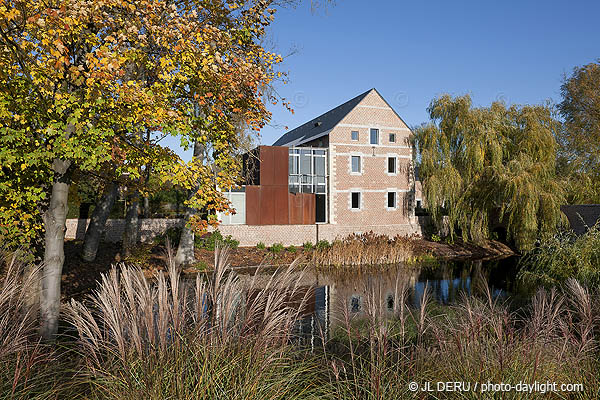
(336, 296)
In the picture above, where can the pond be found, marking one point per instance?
(336, 295)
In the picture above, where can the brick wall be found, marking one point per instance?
(249, 235)
(113, 232)
(374, 181)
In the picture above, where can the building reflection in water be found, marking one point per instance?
(336, 297)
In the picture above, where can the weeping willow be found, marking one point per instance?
(490, 166)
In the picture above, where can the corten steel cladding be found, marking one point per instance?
(274, 167)
(281, 159)
(295, 205)
(302, 208)
(271, 203)
(308, 208)
(253, 205)
(274, 205)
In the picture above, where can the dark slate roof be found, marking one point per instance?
(582, 216)
(320, 126)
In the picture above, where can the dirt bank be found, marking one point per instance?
(79, 277)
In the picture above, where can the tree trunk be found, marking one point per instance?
(54, 255)
(146, 207)
(98, 222)
(146, 200)
(130, 234)
(185, 250)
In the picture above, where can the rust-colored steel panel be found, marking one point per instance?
(295, 206)
(253, 205)
(267, 205)
(274, 205)
(281, 213)
(308, 208)
(273, 165)
(281, 159)
(266, 165)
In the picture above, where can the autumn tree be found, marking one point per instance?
(486, 166)
(81, 80)
(579, 150)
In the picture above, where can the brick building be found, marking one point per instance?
(348, 170)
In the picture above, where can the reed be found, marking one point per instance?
(361, 250)
(209, 338)
(26, 365)
(219, 336)
(478, 339)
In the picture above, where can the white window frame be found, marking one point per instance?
(357, 136)
(360, 163)
(378, 136)
(360, 200)
(387, 165)
(387, 207)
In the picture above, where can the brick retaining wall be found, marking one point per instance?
(249, 235)
(113, 232)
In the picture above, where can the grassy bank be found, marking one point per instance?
(169, 337)
(563, 256)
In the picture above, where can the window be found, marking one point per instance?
(391, 200)
(391, 165)
(307, 170)
(374, 136)
(355, 201)
(354, 135)
(392, 138)
(356, 164)
(390, 302)
(355, 303)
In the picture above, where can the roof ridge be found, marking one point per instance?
(343, 104)
(328, 121)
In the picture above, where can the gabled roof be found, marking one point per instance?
(320, 126)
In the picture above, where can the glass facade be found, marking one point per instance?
(308, 170)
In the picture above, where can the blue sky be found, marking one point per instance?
(412, 51)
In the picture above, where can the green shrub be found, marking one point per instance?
(261, 246)
(323, 244)
(277, 248)
(565, 255)
(307, 246)
(231, 242)
(292, 249)
(201, 266)
(209, 241)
